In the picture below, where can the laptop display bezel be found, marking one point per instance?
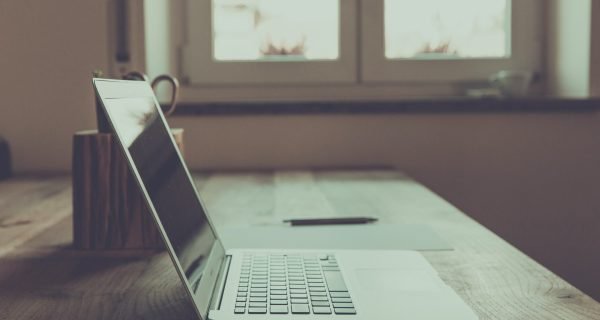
(123, 89)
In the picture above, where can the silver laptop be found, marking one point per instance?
(254, 283)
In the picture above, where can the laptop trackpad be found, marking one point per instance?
(396, 281)
(405, 293)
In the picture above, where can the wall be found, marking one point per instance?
(532, 178)
(48, 50)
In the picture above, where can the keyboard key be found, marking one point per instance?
(339, 294)
(278, 292)
(277, 278)
(279, 297)
(318, 298)
(316, 289)
(240, 299)
(297, 286)
(297, 290)
(257, 281)
(320, 303)
(240, 304)
(258, 310)
(279, 302)
(257, 299)
(296, 278)
(300, 308)
(276, 309)
(239, 310)
(241, 294)
(335, 281)
(258, 294)
(242, 289)
(299, 301)
(258, 305)
(321, 310)
(259, 285)
(278, 282)
(344, 310)
(347, 300)
(298, 296)
(258, 289)
(278, 287)
(343, 305)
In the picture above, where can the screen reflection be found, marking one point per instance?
(143, 133)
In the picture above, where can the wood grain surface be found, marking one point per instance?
(109, 211)
(43, 277)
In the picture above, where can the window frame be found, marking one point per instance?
(174, 15)
(202, 69)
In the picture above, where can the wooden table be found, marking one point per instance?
(42, 277)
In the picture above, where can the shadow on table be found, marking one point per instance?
(72, 284)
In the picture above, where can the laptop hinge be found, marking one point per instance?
(217, 295)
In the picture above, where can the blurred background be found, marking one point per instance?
(530, 175)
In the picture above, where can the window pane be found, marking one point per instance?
(443, 29)
(276, 30)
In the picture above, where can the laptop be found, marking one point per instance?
(260, 283)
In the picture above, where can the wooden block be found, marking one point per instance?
(109, 211)
(5, 163)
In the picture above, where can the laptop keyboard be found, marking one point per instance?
(296, 284)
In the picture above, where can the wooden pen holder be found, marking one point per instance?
(109, 211)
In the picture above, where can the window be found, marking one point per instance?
(271, 41)
(442, 29)
(358, 42)
(441, 41)
(275, 30)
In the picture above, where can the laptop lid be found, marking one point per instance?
(138, 123)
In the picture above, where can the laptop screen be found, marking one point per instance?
(143, 132)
